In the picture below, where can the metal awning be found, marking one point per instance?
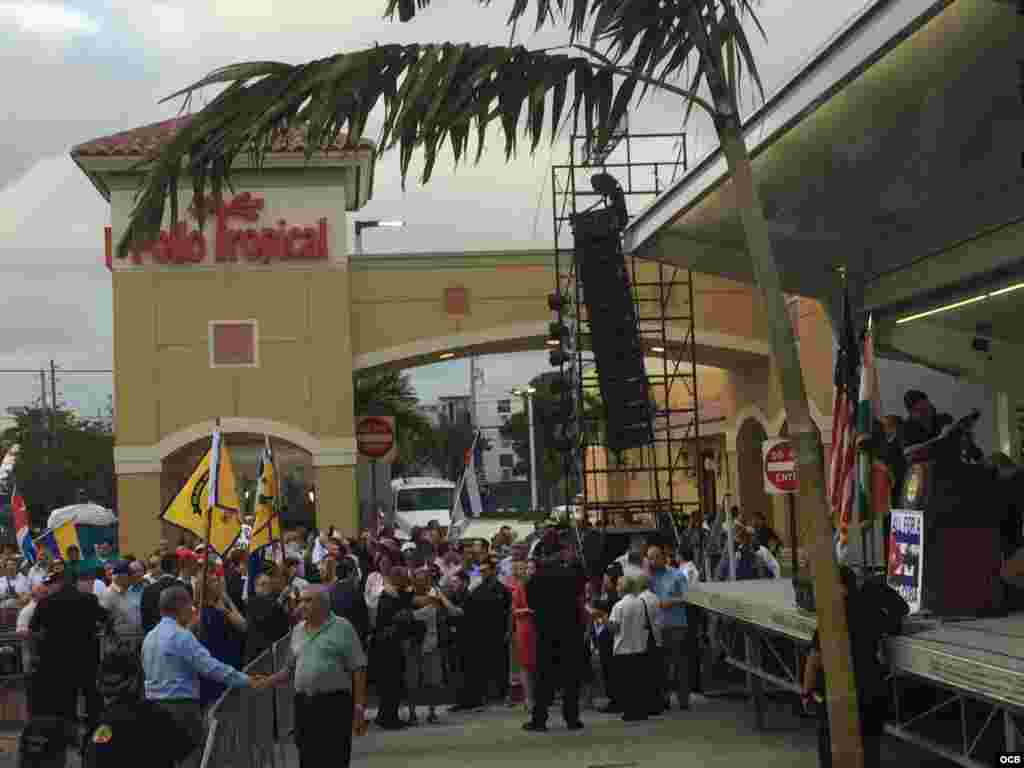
(895, 153)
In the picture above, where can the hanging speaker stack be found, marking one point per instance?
(614, 332)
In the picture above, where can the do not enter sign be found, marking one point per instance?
(375, 437)
(779, 466)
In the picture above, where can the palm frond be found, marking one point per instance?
(574, 12)
(432, 94)
(650, 37)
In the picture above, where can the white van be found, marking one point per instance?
(418, 500)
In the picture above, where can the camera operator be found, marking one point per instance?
(872, 613)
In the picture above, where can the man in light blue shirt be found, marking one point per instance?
(173, 661)
(669, 584)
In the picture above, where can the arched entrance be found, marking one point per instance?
(748, 458)
(294, 466)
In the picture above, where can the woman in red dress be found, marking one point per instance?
(525, 637)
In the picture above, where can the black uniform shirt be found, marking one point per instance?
(136, 733)
(867, 625)
(69, 621)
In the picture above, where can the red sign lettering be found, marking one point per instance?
(255, 245)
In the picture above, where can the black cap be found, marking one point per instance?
(614, 570)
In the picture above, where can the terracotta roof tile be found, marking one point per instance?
(148, 139)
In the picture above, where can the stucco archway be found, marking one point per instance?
(178, 440)
(293, 462)
(749, 438)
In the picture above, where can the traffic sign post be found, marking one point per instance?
(779, 463)
(375, 440)
(780, 479)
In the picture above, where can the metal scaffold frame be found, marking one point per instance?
(663, 298)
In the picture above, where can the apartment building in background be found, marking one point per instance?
(499, 462)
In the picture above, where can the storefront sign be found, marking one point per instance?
(779, 461)
(906, 556)
(255, 245)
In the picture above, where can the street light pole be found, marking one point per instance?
(357, 250)
(527, 393)
(533, 453)
(357, 244)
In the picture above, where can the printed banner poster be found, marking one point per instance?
(906, 556)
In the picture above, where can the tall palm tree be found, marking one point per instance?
(437, 93)
(391, 393)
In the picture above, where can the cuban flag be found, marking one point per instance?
(20, 513)
(468, 503)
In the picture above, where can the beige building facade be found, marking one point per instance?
(261, 318)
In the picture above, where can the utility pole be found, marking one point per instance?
(533, 454)
(472, 390)
(42, 389)
(53, 402)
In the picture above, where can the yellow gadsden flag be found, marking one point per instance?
(267, 525)
(208, 502)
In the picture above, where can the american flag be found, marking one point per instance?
(844, 426)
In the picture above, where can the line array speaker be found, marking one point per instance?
(615, 338)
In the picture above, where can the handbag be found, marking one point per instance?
(652, 644)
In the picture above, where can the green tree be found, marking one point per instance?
(63, 459)
(439, 93)
(548, 419)
(447, 446)
(390, 393)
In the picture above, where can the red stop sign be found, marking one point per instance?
(375, 436)
(779, 466)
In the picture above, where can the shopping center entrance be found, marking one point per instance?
(262, 317)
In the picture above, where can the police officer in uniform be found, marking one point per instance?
(132, 728)
(555, 597)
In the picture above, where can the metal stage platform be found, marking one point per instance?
(974, 666)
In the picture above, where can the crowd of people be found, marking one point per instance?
(422, 623)
(419, 623)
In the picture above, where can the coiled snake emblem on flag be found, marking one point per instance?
(199, 492)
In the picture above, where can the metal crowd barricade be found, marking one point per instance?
(285, 697)
(247, 728)
(17, 661)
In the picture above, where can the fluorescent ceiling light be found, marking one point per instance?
(959, 304)
(553, 342)
(447, 355)
(657, 349)
(1008, 289)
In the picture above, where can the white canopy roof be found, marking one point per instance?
(82, 514)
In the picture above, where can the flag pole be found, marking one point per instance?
(276, 503)
(209, 533)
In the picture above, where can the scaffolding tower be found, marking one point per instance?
(638, 489)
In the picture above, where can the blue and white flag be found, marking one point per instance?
(467, 500)
(214, 481)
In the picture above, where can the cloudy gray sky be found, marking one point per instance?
(86, 68)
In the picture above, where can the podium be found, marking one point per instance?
(961, 507)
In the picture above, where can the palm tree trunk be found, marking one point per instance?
(812, 504)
